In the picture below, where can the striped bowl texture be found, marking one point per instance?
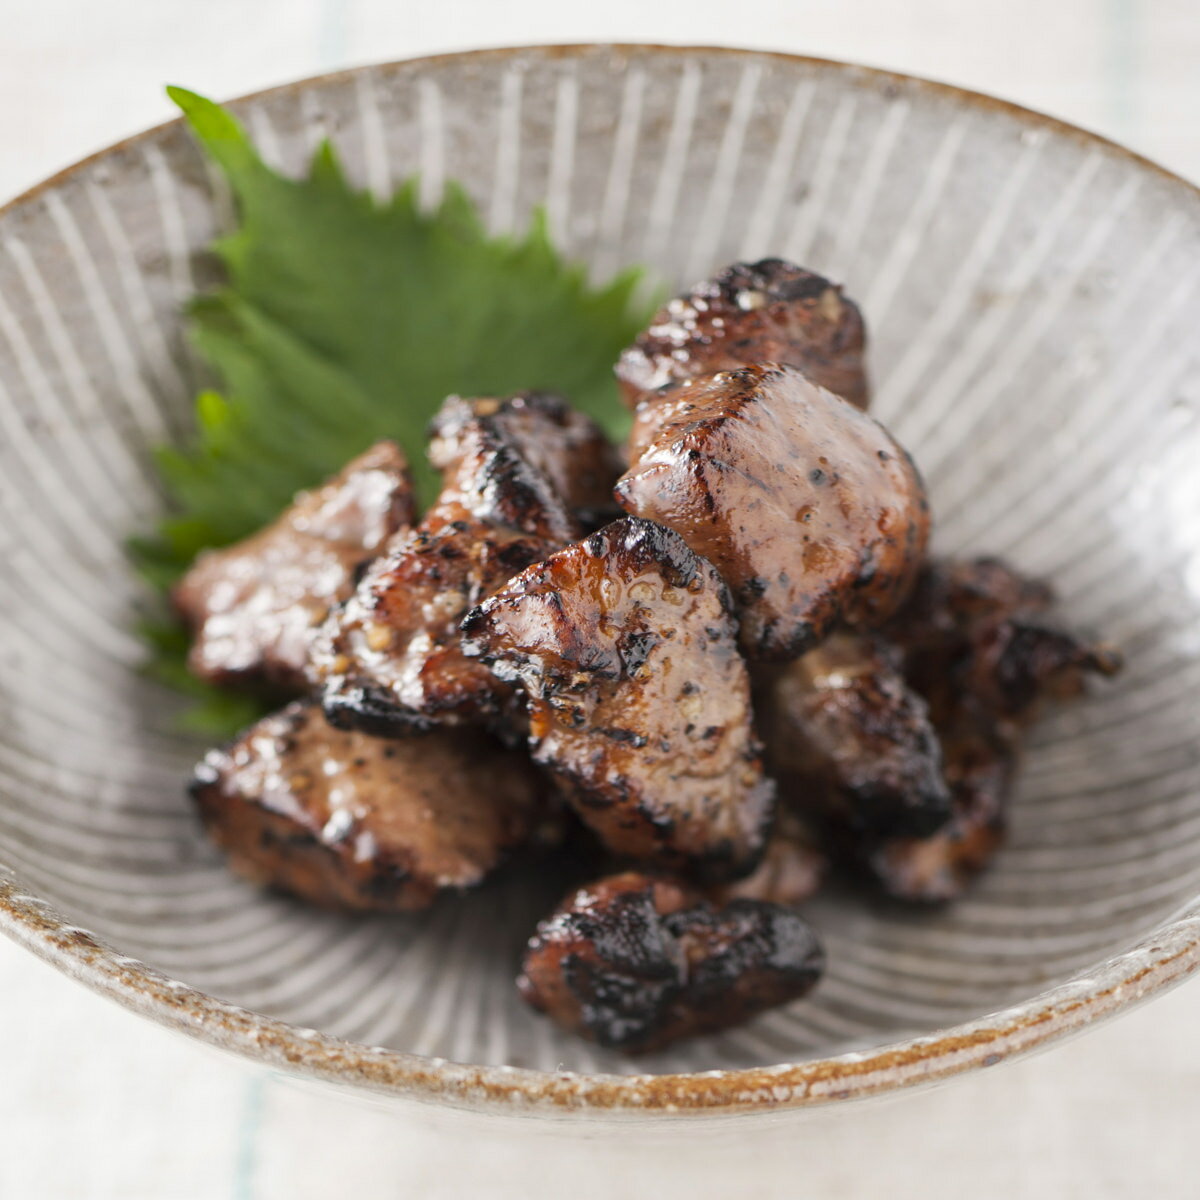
(1033, 296)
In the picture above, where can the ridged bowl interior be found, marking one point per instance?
(1033, 297)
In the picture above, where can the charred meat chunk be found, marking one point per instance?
(1018, 664)
(567, 447)
(813, 515)
(979, 646)
(792, 869)
(352, 822)
(255, 607)
(848, 739)
(490, 477)
(639, 702)
(768, 311)
(634, 962)
(979, 630)
(390, 660)
(980, 757)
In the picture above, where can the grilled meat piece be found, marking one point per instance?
(489, 474)
(255, 607)
(639, 702)
(567, 447)
(768, 311)
(352, 822)
(634, 962)
(951, 593)
(1017, 665)
(390, 660)
(980, 758)
(979, 629)
(847, 739)
(813, 515)
(980, 648)
(792, 869)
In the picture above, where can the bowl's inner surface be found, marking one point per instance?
(1033, 299)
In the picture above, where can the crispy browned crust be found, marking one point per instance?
(981, 630)
(488, 458)
(638, 699)
(979, 646)
(980, 758)
(635, 962)
(254, 608)
(768, 311)
(390, 660)
(813, 515)
(352, 822)
(568, 448)
(848, 740)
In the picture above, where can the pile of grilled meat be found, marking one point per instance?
(721, 661)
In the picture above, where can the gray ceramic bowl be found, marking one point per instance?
(1034, 296)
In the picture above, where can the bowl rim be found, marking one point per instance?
(1166, 957)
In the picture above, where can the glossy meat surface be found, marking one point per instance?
(765, 312)
(390, 660)
(353, 822)
(849, 740)
(568, 448)
(638, 699)
(255, 607)
(813, 515)
(634, 962)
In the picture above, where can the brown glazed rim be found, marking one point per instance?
(1169, 956)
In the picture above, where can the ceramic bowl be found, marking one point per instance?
(1033, 294)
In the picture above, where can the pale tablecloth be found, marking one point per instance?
(97, 1103)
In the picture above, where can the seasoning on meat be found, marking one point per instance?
(849, 740)
(353, 822)
(567, 447)
(813, 515)
(390, 661)
(635, 962)
(639, 702)
(765, 312)
(255, 607)
(606, 619)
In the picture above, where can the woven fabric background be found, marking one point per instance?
(97, 1103)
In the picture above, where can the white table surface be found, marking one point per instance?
(97, 1103)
